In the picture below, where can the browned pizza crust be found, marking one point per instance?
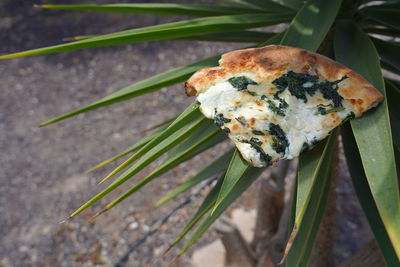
(270, 62)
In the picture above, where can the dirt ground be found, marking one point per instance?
(42, 169)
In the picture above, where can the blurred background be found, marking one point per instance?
(42, 169)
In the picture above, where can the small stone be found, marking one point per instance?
(133, 225)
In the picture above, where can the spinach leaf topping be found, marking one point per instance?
(242, 121)
(329, 91)
(280, 110)
(257, 132)
(282, 102)
(256, 144)
(280, 141)
(324, 111)
(220, 120)
(252, 93)
(299, 84)
(226, 130)
(241, 82)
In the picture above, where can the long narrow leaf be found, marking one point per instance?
(388, 51)
(311, 24)
(269, 5)
(393, 93)
(167, 31)
(307, 30)
(373, 132)
(389, 67)
(383, 31)
(203, 138)
(313, 182)
(365, 197)
(293, 4)
(134, 147)
(200, 146)
(143, 87)
(148, 158)
(159, 9)
(228, 36)
(386, 16)
(235, 36)
(248, 178)
(237, 167)
(218, 165)
(191, 113)
(242, 184)
(205, 207)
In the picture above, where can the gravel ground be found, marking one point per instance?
(42, 168)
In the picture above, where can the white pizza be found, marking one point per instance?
(275, 102)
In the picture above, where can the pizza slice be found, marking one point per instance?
(277, 101)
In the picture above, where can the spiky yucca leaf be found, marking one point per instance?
(373, 132)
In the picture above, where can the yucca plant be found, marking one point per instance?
(361, 34)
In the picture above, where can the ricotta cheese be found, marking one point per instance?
(267, 122)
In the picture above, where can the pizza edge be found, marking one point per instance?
(358, 92)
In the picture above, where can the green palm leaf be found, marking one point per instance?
(247, 179)
(270, 5)
(167, 31)
(242, 181)
(148, 158)
(293, 4)
(202, 139)
(389, 52)
(387, 15)
(365, 197)
(383, 31)
(313, 183)
(373, 132)
(307, 30)
(236, 169)
(393, 93)
(187, 116)
(134, 147)
(235, 36)
(146, 86)
(218, 165)
(311, 24)
(205, 207)
(160, 9)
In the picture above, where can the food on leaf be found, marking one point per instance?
(276, 101)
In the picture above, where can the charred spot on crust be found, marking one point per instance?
(241, 82)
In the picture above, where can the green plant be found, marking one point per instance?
(359, 34)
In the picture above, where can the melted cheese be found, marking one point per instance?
(248, 115)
